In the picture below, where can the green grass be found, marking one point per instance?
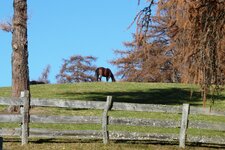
(121, 91)
(145, 93)
(154, 93)
(151, 93)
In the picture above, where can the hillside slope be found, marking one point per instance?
(150, 93)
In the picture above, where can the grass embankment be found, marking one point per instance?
(146, 93)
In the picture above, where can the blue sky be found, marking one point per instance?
(58, 29)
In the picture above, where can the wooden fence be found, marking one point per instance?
(24, 118)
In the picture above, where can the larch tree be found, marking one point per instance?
(148, 56)
(183, 42)
(207, 26)
(77, 69)
(198, 29)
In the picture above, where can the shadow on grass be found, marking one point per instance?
(157, 143)
(172, 96)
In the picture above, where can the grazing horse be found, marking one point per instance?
(105, 72)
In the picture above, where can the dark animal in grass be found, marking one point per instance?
(104, 72)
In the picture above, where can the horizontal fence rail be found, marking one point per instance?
(106, 120)
(66, 119)
(204, 139)
(10, 101)
(83, 104)
(144, 122)
(113, 121)
(146, 107)
(207, 125)
(10, 118)
(68, 103)
(82, 134)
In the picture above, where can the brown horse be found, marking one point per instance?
(105, 72)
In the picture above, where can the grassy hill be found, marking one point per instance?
(150, 93)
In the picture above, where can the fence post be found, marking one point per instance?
(105, 131)
(184, 125)
(1, 143)
(24, 110)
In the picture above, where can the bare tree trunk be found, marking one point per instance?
(20, 70)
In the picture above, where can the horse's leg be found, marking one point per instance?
(100, 78)
(107, 79)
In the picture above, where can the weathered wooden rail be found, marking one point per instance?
(24, 131)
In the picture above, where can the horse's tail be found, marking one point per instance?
(113, 78)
